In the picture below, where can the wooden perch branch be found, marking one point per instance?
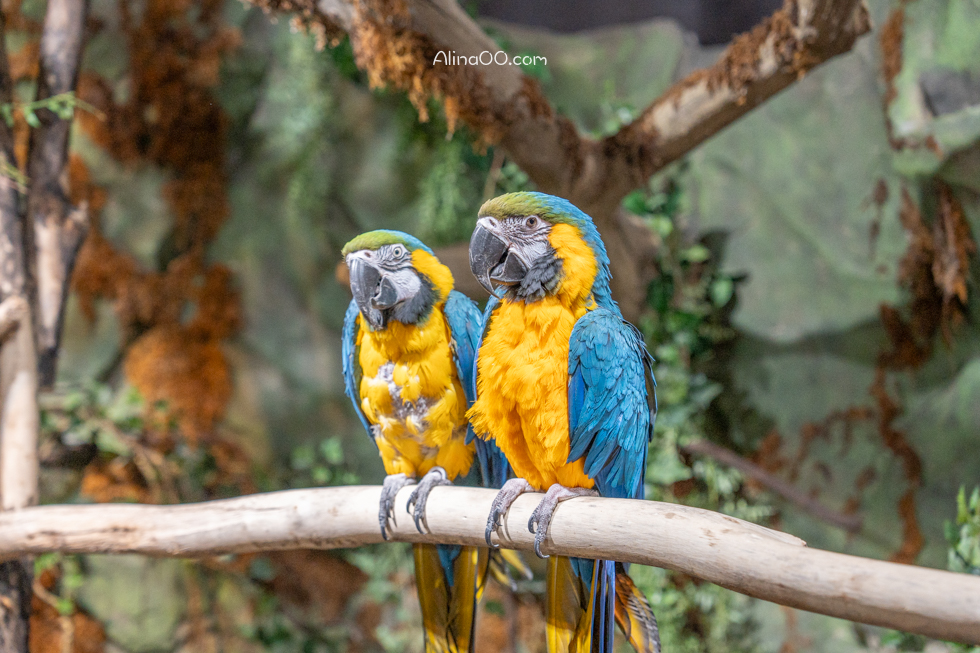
(735, 554)
(785, 489)
(59, 227)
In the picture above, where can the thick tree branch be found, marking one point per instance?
(785, 489)
(59, 227)
(741, 556)
(756, 66)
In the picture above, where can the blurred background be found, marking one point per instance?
(810, 299)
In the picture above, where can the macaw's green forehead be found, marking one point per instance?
(380, 237)
(555, 210)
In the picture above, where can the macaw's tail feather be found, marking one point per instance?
(447, 578)
(634, 616)
(581, 600)
(503, 564)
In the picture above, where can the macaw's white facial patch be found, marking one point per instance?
(386, 286)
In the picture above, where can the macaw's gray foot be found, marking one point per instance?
(541, 517)
(389, 490)
(416, 502)
(512, 489)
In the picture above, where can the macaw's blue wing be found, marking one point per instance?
(611, 410)
(611, 407)
(466, 327)
(352, 366)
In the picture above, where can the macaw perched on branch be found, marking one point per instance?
(408, 347)
(565, 388)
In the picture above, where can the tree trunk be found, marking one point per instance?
(39, 236)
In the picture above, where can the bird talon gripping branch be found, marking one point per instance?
(512, 489)
(420, 496)
(389, 490)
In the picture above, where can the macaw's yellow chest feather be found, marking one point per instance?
(522, 372)
(411, 394)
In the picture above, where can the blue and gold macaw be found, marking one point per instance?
(565, 388)
(409, 343)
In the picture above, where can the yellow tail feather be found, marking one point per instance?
(448, 612)
(634, 616)
(500, 565)
(569, 609)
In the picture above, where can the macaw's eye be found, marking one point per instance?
(531, 222)
(397, 251)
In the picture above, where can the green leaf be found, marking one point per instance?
(303, 457)
(695, 254)
(722, 290)
(46, 561)
(636, 202)
(109, 442)
(332, 450)
(321, 475)
(31, 117)
(962, 513)
(65, 111)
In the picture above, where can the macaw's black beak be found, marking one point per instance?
(491, 259)
(386, 296)
(372, 291)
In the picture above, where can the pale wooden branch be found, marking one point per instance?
(59, 227)
(785, 489)
(735, 554)
(18, 410)
(756, 66)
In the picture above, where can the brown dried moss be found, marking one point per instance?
(935, 269)
(890, 41)
(114, 480)
(52, 632)
(897, 442)
(171, 120)
(739, 65)
(393, 54)
(307, 18)
(954, 247)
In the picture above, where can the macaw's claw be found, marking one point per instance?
(512, 489)
(541, 517)
(389, 490)
(416, 502)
